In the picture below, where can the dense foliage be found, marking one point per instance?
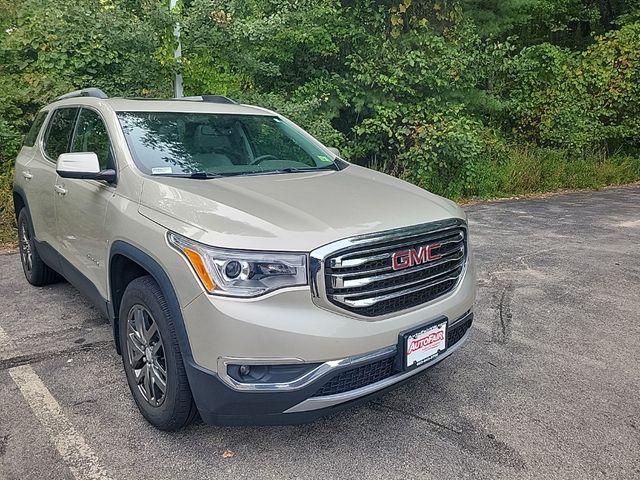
(463, 97)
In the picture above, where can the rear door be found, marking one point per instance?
(41, 174)
(81, 208)
(30, 146)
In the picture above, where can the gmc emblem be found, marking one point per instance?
(411, 257)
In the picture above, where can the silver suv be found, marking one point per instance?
(249, 273)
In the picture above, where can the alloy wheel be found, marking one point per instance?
(26, 254)
(145, 352)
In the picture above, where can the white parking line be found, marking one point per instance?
(631, 223)
(78, 456)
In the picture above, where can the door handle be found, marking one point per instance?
(27, 175)
(60, 189)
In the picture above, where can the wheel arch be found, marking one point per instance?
(126, 263)
(19, 202)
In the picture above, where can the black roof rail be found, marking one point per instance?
(85, 92)
(210, 99)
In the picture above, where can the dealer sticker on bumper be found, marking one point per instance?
(425, 344)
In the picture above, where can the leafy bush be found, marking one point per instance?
(435, 150)
(612, 69)
(578, 101)
(49, 47)
(548, 98)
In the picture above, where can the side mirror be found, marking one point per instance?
(84, 166)
(335, 151)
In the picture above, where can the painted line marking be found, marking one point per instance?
(79, 457)
(77, 454)
(631, 223)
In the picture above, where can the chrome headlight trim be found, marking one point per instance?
(273, 270)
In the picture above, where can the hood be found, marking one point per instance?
(289, 212)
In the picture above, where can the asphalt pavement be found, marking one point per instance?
(546, 387)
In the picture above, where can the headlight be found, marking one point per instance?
(241, 273)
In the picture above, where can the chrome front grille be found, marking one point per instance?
(358, 274)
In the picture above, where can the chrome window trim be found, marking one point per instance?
(300, 382)
(317, 403)
(318, 257)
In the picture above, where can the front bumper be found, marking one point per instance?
(342, 384)
(287, 325)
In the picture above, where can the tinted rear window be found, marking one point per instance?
(59, 132)
(30, 138)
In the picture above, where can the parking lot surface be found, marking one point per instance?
(546, 387)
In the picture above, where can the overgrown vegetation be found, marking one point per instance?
(462, 97)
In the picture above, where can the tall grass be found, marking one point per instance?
(7, 216)
(541, 170)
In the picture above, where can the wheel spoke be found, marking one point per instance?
(134, 341)
(146, 382)
(139, 374)
(138, 324)
(150, 332)
(158, 380)
(136, 350)
(156, 347)
(159, 368)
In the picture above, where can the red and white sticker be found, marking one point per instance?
(426, 344)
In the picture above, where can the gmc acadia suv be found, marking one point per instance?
(248, 272)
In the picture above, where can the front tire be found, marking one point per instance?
(151, 357)
(35, 270)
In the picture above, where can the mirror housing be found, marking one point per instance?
(335, 151)
(83, 166)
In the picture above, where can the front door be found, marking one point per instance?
(81, 207)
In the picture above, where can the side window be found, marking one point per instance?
(59, 132)
(91, 136)
(30, 138)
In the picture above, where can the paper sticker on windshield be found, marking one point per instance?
(324, 159)
(161, 170)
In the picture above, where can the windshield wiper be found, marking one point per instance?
(333, 166)
(204, 175)
(195, 175)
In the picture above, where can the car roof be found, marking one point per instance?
(118, 104)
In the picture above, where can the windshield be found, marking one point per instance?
(173, 143)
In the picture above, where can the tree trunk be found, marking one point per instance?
(606, 14)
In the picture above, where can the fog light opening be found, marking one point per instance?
(268, 374)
